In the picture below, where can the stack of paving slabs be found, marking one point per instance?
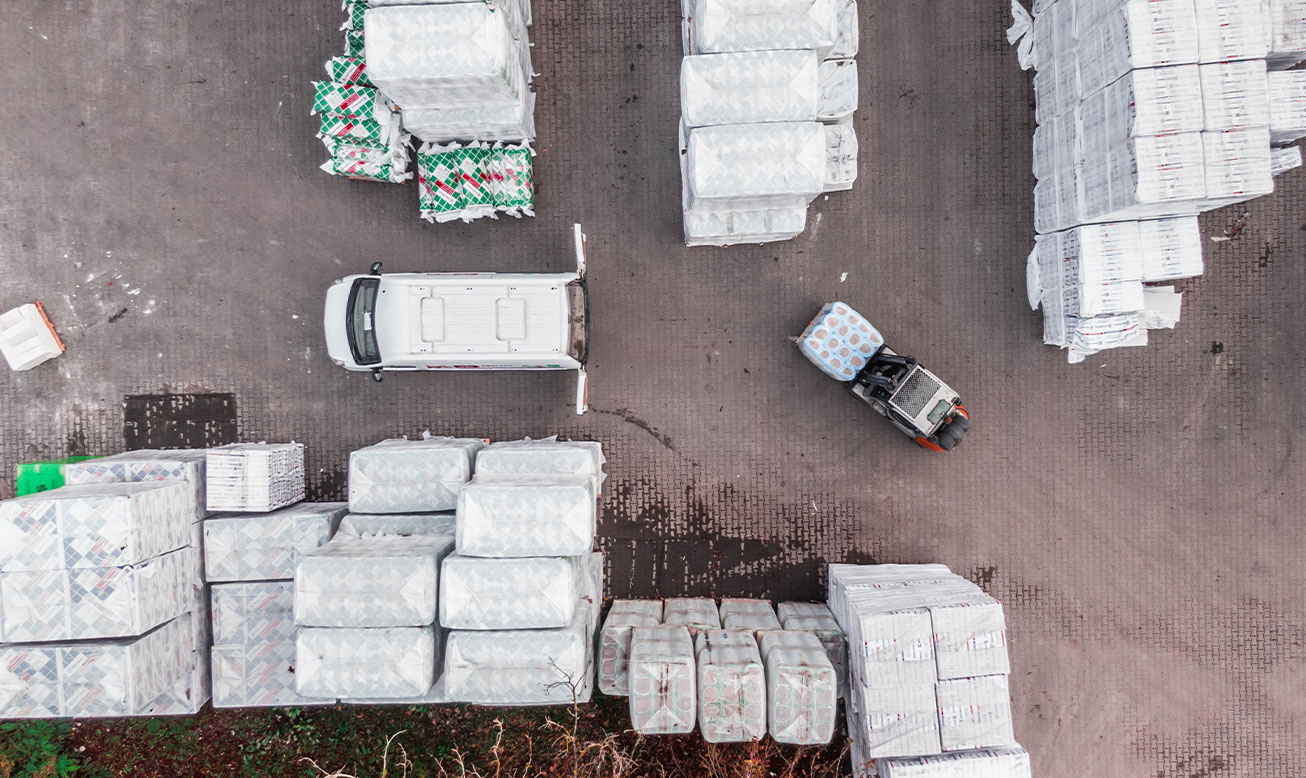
(731, 686)
(802, 691)
(411, 476)
(928, 664)
(663, 677)
(254, 477)
(469, 181)
(112, 567)
(984, 763)
(458, 71)
(544, 456)
(371, 524)
(254, 645)
(614, 641)
(767, 100)
(1148, 110)
(816, 618)
(264, 546)
(367, 612)
(186, 466)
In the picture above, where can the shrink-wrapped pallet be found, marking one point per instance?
(505, 594)
(750, 86)
(662, 680)
(801, 688)
(370, 582)
(372, 524)
(751, 615)
(522, 667)
(840, 341)
(750, 166)
(985, 763)
(975, 713)
(527, 516)
(410, 476)
(614, 641)
(738, 25)
(693, 613)
(372, 664)
(731, 687)
(264, 546)
(255, 477)
(186, 465)
(545, 456)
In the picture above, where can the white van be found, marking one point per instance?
(462, 321)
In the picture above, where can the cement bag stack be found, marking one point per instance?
(460, 74)
(1148, 114)
(522, 594)
(929, 673)
(100, 599)
(767, 98)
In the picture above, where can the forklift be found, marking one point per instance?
(842, 343)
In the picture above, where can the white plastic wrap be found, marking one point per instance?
(1235, 94)
(1284, 159)
(749, 166)
(527, 515)
(975, 713)
(694, 613)
(900, 721)
(256, 477)
(185, 465)
(1229, 30)
(372, 524)
(373, 664)
(93, 679)
(841, 151)
(1136, 176)
(847, 36)
(970, 639)
(546, 456)
(410, 476)
(614, 641)
(1161, 307)
(264, 546)
(989, 763)
(1287, 33)
(27, 338)
(749, 615)
(94, 525)
(443, 56)
(1136, 35)
(751, 86)
(801, 688)
(253, 655)
(507, 594)
(825, 629)
(1288, 106)
(1144, 102)
(1238, 163)
(739, 25)
(98, 602)
(1172, 248)
(891, 650)
(838, 90)
(370, 582)
(731, 687)
(522, 667)
(249, 612)
(725, 226)
(513, 123)
(662, 680)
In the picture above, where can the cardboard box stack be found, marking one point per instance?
(98, 593)
(929, 672)
(523, 592)
(767, 99)
(1149, 112)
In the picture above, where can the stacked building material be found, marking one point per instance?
(731, 686)
(982, 763)
(369, 525)
(928, 665)
(112, 567)
(522, 594)
(366, 608)
(411, 476)
(468, 181)
(254, 477)
(358, 125)
(546, 456)
(748, 615)
(663, 697)
(767, 99)
(264, 546)
(186, 467)
(614, 641)
(253, 658)
(694, 613)
(802, 690)
(1146, 111)
(816, 618)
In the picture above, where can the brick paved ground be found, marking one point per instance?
(1139, 514)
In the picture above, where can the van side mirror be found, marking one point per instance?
(375, 269)
(376, 375)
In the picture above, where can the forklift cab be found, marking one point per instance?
(913, 399)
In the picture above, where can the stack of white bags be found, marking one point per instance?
(767, 98)
(1149, 112)
(928, 688)
(739, 671)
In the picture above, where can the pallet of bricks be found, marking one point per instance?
(454, 75)
(767, 100)
(1149, 112)
(102, 590)
(929, 695)
(464, 572)
(737, 671)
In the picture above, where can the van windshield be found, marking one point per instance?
(360, 321)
